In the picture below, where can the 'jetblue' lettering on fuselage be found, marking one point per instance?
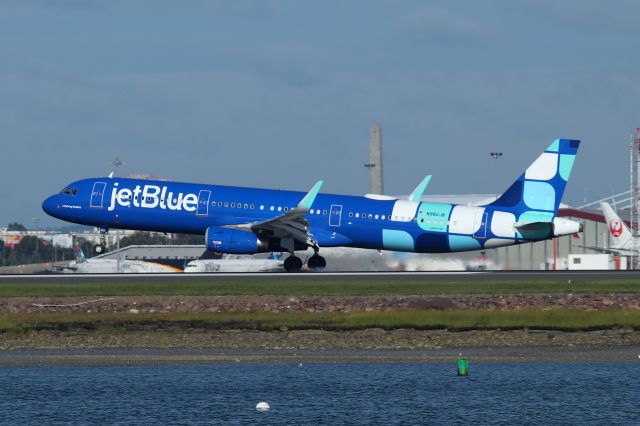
(152, 196)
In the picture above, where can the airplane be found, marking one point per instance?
(82, 265)
(240, 220)
(240, 263)
(621, 236)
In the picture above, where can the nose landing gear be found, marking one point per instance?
(102, 246)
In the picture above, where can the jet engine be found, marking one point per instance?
(233, 241)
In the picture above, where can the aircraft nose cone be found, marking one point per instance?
(50, 205)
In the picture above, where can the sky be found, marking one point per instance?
(279, 94)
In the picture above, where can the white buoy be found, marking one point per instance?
(262, 407)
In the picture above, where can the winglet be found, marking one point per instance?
(307, 201)
(111, 175)
(417, 193)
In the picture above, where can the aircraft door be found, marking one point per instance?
(335, 215)
(481, 220)
(97, 195)
(203, 202)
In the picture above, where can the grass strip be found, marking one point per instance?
(312, 287)
(553, 319)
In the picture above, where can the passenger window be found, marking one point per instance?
(251, 206)
(246, 206)
(219, 203)
(226, 204)
(279, 208)
(370, 216)
(324, 212)
(376, 216)
(357, 214)
(233, 205)
(261, 207)
(311, 211)
(286, 209)
(382, 217)
(271, 208)
(350, 214)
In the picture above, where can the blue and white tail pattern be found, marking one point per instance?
(535, 196)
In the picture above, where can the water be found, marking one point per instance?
(352, 393)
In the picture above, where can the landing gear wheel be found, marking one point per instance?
(316, 263)
(293, 264)
(102, 246)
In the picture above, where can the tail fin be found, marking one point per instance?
(536, 194)
(80, 257)
(620, 234)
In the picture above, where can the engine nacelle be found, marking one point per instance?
(233, 241)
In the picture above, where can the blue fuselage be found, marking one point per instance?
(334, 220)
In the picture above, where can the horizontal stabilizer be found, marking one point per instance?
(534, 230)
(417, 193)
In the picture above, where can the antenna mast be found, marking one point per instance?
(634, 145)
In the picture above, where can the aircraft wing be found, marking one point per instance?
(292, 224)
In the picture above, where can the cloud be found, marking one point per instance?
(442, 26)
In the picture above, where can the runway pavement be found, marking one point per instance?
(328, 276)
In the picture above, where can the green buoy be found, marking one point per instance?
(463, 367)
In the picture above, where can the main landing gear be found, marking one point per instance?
(293, 264)
(315, 263)
(102, 246)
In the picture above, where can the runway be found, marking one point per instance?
(328, 276)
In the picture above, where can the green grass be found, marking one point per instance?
(554, 319)
(299, 287)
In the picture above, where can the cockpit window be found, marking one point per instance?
(69, 191)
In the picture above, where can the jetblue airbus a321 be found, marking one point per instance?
(250, 220)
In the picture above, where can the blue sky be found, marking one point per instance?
(282, 93)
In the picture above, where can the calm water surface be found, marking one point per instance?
(359, 393)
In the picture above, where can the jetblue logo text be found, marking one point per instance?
(152, 196)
